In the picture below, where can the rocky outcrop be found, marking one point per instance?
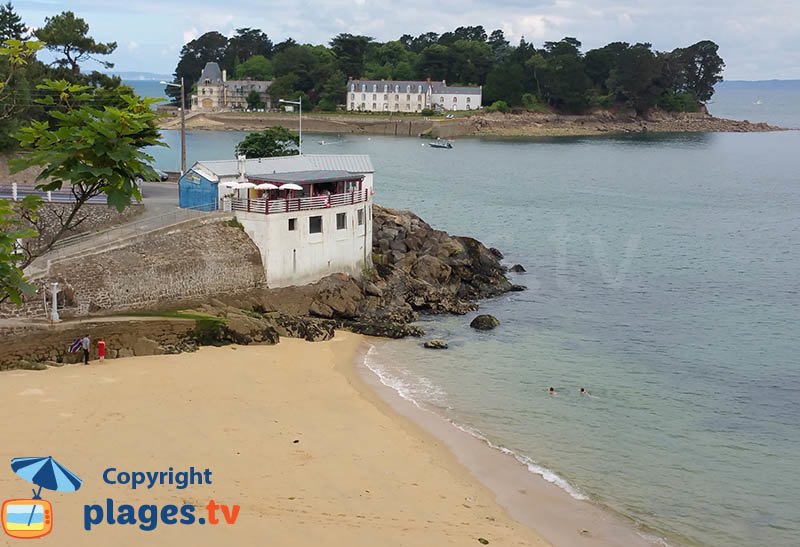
(485, 322)
(417, 269)
(436, 343)
(517, 268)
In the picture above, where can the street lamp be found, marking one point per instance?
(298, 102)
(183, 124)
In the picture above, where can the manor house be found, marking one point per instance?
(410, 96)
(215, 92)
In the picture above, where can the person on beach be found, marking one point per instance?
(101, 350)
(86, 343)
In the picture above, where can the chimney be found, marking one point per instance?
(242, 161)
(224, 75)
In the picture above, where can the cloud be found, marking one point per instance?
(133, 45)
(190, 34)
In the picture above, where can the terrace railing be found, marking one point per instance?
(288, 205)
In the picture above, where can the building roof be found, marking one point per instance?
(211, 72)
(256, 167)
(390, 83)
(319, 176)
(249, 84)
(443, 89)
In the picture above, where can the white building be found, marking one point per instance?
(322, 226)
(410, 96)
(452, 98)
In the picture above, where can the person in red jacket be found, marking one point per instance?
(101, 349)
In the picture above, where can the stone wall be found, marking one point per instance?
(188, 262)
(124, 338)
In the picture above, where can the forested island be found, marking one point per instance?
(556, 76)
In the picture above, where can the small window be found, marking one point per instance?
(467, 99)
(374, 106)
(374, 96)
(341, 221)
(292, 224)
(315, 225)
(361, 217)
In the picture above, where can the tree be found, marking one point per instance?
(12, 229)
(11, 25)
(634, 80)
(350, 51)
(254, 101)
(275, 141)
(246, 43)
(210, 47)
(91, 149)
(702, 68)
(256, 67)
(68, 35)
(18, 69)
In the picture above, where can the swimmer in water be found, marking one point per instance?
(551, 390)
(584, 392)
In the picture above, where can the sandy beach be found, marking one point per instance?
(288, 433)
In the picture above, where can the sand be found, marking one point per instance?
(289, 433)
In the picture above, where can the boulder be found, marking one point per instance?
(436, 343)
(496, 252)
(383, 329)
(485, 322)
(517, 268)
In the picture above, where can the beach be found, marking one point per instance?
(288, 433)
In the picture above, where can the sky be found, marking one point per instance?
(759, 40)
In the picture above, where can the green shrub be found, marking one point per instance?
(327, 105)
(682, 101)
(427, 112)
(531, 102)
(498, 106)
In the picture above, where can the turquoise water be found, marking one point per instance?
(662, 275)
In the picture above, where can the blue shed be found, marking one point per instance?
(196, 191)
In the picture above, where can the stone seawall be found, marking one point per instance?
(176, 264)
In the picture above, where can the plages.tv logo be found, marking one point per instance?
(33, 517)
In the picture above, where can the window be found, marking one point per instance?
(352, 106)
(455, 99)
(314, 225)
(468, 99)
(374, 106)
(292, 224)
(341, 221)
(397, 97)
(386, 97)
(363, 96)
(408, 97)
(361, 217)
(374, 96)
(352, 96)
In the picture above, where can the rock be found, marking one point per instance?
(145, 346)
(485, 322)
(383, 329)
(31, 365)
(436, 343)
(517, 268)
(517, 288)
(496, 252)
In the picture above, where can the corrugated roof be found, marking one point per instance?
(307, 177)
(351, 162)
(288, 164)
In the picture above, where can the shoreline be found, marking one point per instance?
(526, 496)
(475, 125)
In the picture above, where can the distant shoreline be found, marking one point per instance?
(475, 125)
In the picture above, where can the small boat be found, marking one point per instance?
(439, 143)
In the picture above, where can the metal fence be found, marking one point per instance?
(17, 192)
(271, 206)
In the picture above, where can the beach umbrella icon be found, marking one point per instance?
(47, 473)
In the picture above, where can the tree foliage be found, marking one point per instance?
(90, 149)
(68, 36)
(558, 74)
(12, 229)
(275, 141)
(11, 25)
(254, 100)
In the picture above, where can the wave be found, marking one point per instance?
(406, 390)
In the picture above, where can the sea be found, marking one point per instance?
(663, 275)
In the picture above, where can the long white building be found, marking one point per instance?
(410, 96)
(310, 216)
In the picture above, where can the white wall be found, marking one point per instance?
(299, 257)
(460, 103)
